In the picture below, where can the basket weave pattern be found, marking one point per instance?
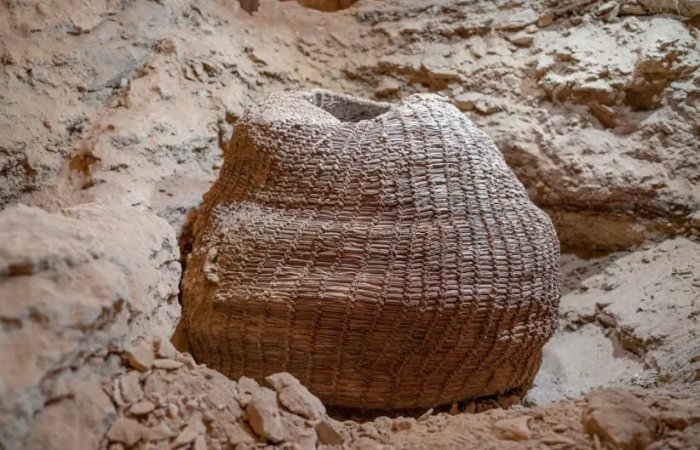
(383, 254)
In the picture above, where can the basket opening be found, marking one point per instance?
(346, 108)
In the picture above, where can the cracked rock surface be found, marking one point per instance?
(113, 119)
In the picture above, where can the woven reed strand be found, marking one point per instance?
(383, 254)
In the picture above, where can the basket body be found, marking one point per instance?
(385, 255)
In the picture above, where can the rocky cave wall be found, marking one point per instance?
(114, 115)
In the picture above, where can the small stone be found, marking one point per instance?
(545, 20)
(186, 436)
(514, 429)
(521, 39)
(131, 387)
(605, 114)
(425, 415)
(295, 396)
(633, 10)
(555, 439)
(187, 360)
(666, 128)
(172, 411)
(142, 408)
(200, 443)
(465, 102)
(247, 388)
(605, 7)
(478, 47)
(166, 349)
(519, 20)
(612, 15)
(158, 432)
(126, 431)
(401, 424)
(141, 356)
(328, 433)
(167, 364)
(264, 416)
(620, 419)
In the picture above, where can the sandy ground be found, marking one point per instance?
(114, 116)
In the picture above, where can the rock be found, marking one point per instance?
(296, 397)
(465, 101)
(200, 443)
(165, 349)
(141, 356)
(157, 432)
(142, 408)
(605, 114)
(481, 103)
(131, 387)
(425, 415)
(521, 39)
(188, 435)
(401, 424)
(513, 429)
(519, 20)
(247, 388)
(613, 13)
(618, 418)
(328, 433)
(172, 410)
(632, 10)
(77, 421)
(545, 20)
(688, 8)
(264, 415)
(478, 46)
(74, 284)
(167, 364)
(606, 7)
(125, 431)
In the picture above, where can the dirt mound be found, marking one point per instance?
(168, 401)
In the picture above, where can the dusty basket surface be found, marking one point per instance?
(383, 254)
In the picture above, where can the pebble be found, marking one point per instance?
(157, 432)
(140, 357)
(514, 429)
(186, 436)
(264, 416)
(296, 397)
(619, 419)
(425, 415)
(247, 388)
(167, 364)
(165, 349)
(521, 39)
(200, 443)
(125, 431)
(172, 411)
(142, 408)
(131, 387)
(545, 20)
(328, 433)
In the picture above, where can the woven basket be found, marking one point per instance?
(383, 254)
